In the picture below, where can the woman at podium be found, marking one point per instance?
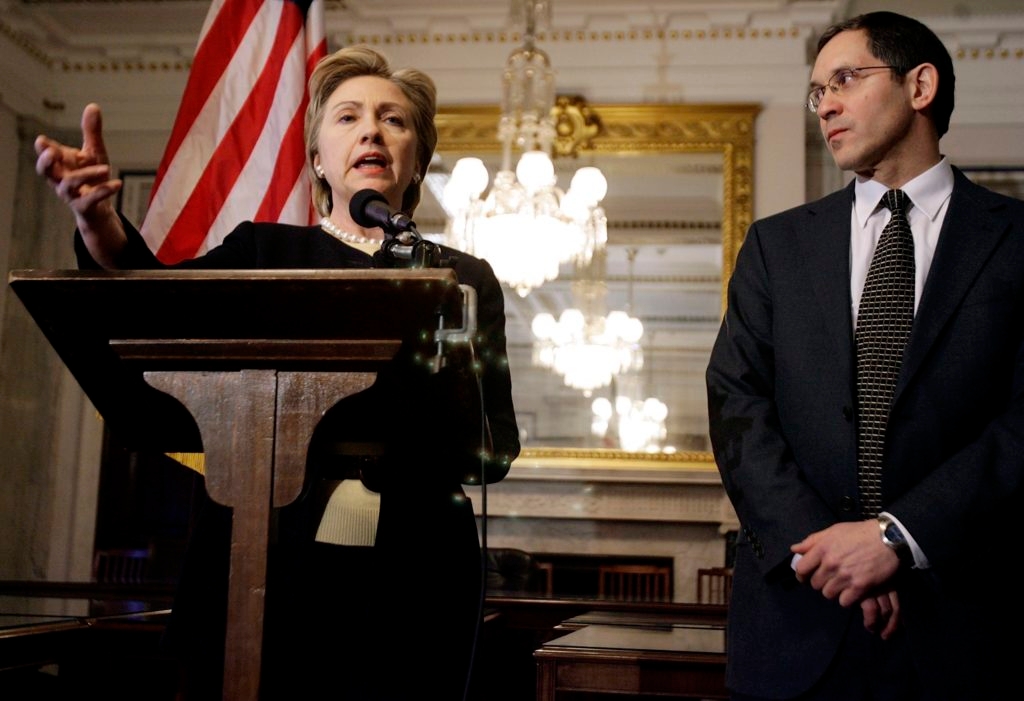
(374, 574)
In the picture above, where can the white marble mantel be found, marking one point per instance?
(615, 508)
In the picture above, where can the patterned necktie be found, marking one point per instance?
(883, 327)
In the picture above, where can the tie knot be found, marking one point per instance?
(895, 200)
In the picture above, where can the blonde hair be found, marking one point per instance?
(417, 86)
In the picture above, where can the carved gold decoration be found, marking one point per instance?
(576, 125)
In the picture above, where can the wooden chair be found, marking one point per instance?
(714, 585)
(121, 565)
(634, 582)
(512, 571)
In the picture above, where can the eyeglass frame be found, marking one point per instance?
(814, 102)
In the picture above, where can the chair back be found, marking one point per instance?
(628, 582)
(514, 571)
(714, 585)
(120, 565)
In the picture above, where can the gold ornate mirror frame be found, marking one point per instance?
(633, 128)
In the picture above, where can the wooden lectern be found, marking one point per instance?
(240, 365)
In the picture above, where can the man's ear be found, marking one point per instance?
(923, 84)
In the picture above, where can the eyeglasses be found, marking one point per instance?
(841, 81)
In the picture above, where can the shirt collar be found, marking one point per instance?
(928, 191)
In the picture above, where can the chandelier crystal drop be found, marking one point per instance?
(526, 226)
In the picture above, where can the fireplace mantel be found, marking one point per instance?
(596, 509)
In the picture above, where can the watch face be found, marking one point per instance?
(894, 538)
(894, 534)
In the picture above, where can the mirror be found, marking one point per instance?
(679, 203)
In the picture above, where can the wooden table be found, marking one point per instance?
(29, 641)
(658, 620)
(74, 652)
(669, 660)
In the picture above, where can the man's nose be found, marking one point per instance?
(828, 103)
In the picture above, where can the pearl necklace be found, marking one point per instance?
(332, 229)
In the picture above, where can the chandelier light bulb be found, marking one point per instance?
(602, 408)
(655, 409)
(634, 330)
(591, 185)
(469, 177)
(621, 325)
(535, 171)
(575, 207)
(544, 326)
(572, 321)
(616, 322)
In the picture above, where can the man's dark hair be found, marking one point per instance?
(904, 43)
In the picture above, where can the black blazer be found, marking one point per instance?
(781, 397)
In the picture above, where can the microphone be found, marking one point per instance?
(370, 208)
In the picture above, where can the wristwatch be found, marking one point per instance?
(894, 539)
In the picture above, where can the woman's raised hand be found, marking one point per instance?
(81, 178)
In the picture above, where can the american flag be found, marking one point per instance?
(236, 151)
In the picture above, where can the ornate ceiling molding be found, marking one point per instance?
(75, 36)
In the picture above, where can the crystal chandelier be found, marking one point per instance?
(584, 345)
(526, 226)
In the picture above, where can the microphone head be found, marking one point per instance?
(363, 212)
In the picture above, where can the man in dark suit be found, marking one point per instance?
(834, 598)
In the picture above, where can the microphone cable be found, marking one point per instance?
(477, 630)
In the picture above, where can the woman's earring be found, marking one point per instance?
(416, 178)
(319, 171)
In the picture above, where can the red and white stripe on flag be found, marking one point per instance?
(236, 151)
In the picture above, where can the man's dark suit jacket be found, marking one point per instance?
(782, 406)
